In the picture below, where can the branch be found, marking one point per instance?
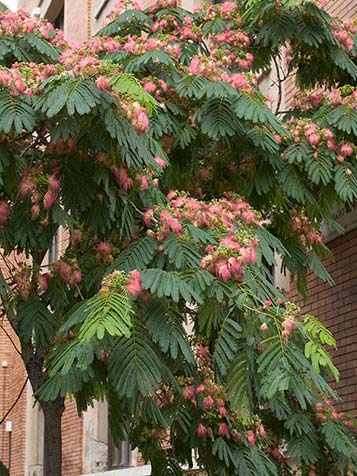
(280, 89)
(10, 339)
(15, 402)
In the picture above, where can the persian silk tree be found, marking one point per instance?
(98, 141)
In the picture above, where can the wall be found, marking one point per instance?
(336, 307)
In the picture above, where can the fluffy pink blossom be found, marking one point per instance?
(223, 429)
(103, 83)
(49, 199)
(201, 431)
(346, 149)
(251, 438)
(122, 177)
(4, 213)
(134, 283)
(160, 162)
(188, 392)
(208, 402)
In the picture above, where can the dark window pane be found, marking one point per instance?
(59, 21)
(118, 457)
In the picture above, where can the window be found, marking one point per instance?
(118, 457)
(59, 20)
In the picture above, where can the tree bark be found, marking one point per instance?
(53, 412)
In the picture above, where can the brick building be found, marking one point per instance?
(87, 448)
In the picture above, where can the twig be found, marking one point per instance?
(280, 89)
(10, 339)
(15, 402)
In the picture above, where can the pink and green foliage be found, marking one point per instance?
(98, 140)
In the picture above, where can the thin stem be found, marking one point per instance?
(280, 89)
(15, 402)
(10, 339)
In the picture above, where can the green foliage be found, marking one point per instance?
(3, 470)
(16, 113)
(130, 86)
(108, 312)
(77, 96)
(79, 158)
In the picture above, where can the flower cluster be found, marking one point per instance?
(68, 270)
(25, 78)
(343, 96)
(317, 137)
(40, 188)
(232, 221)
(21, 23)
(344, 31)
(23, 281)
(302, 226)
(5, 211)
(119, 281)
(136, 114)
(209, 399)
(325, 410)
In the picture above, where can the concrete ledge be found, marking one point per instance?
(347, 220)
(134, 471)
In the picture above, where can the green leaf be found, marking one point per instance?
(136, 256)
(147, 59)
(109, 312)
(76, 95)
(166, 329)
(345, 184)
(134, 367)
(129, 85)
(181, 252)
(338, 437)
(15, 113)
(227, 344)
(35, 323)
(3, 470)
(168, 283)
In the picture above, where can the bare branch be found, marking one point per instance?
(15, 402)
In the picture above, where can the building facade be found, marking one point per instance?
(87, 446)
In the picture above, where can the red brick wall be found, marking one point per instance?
(14, 380)
(338, 8)
(72, 433)
(336, 307)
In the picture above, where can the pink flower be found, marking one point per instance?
(200, 388)
(150, 87)
(267, 303)
(264, 328)
(201, 431)
(148, 216)
(54, 183)
(262, 431)
(143, 182)
(188, 392)
(208, 403)
(104, 248)
(123, 179)
(251, 438)
(346, 149)
(224, 272)
(160, 162)
(313, 139)
(223, 429)
(4, 213)
(49, 199)
(27, 186)
(222, 411)
(103, 83)
(134, 283)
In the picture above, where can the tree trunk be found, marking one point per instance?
(53, 412)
